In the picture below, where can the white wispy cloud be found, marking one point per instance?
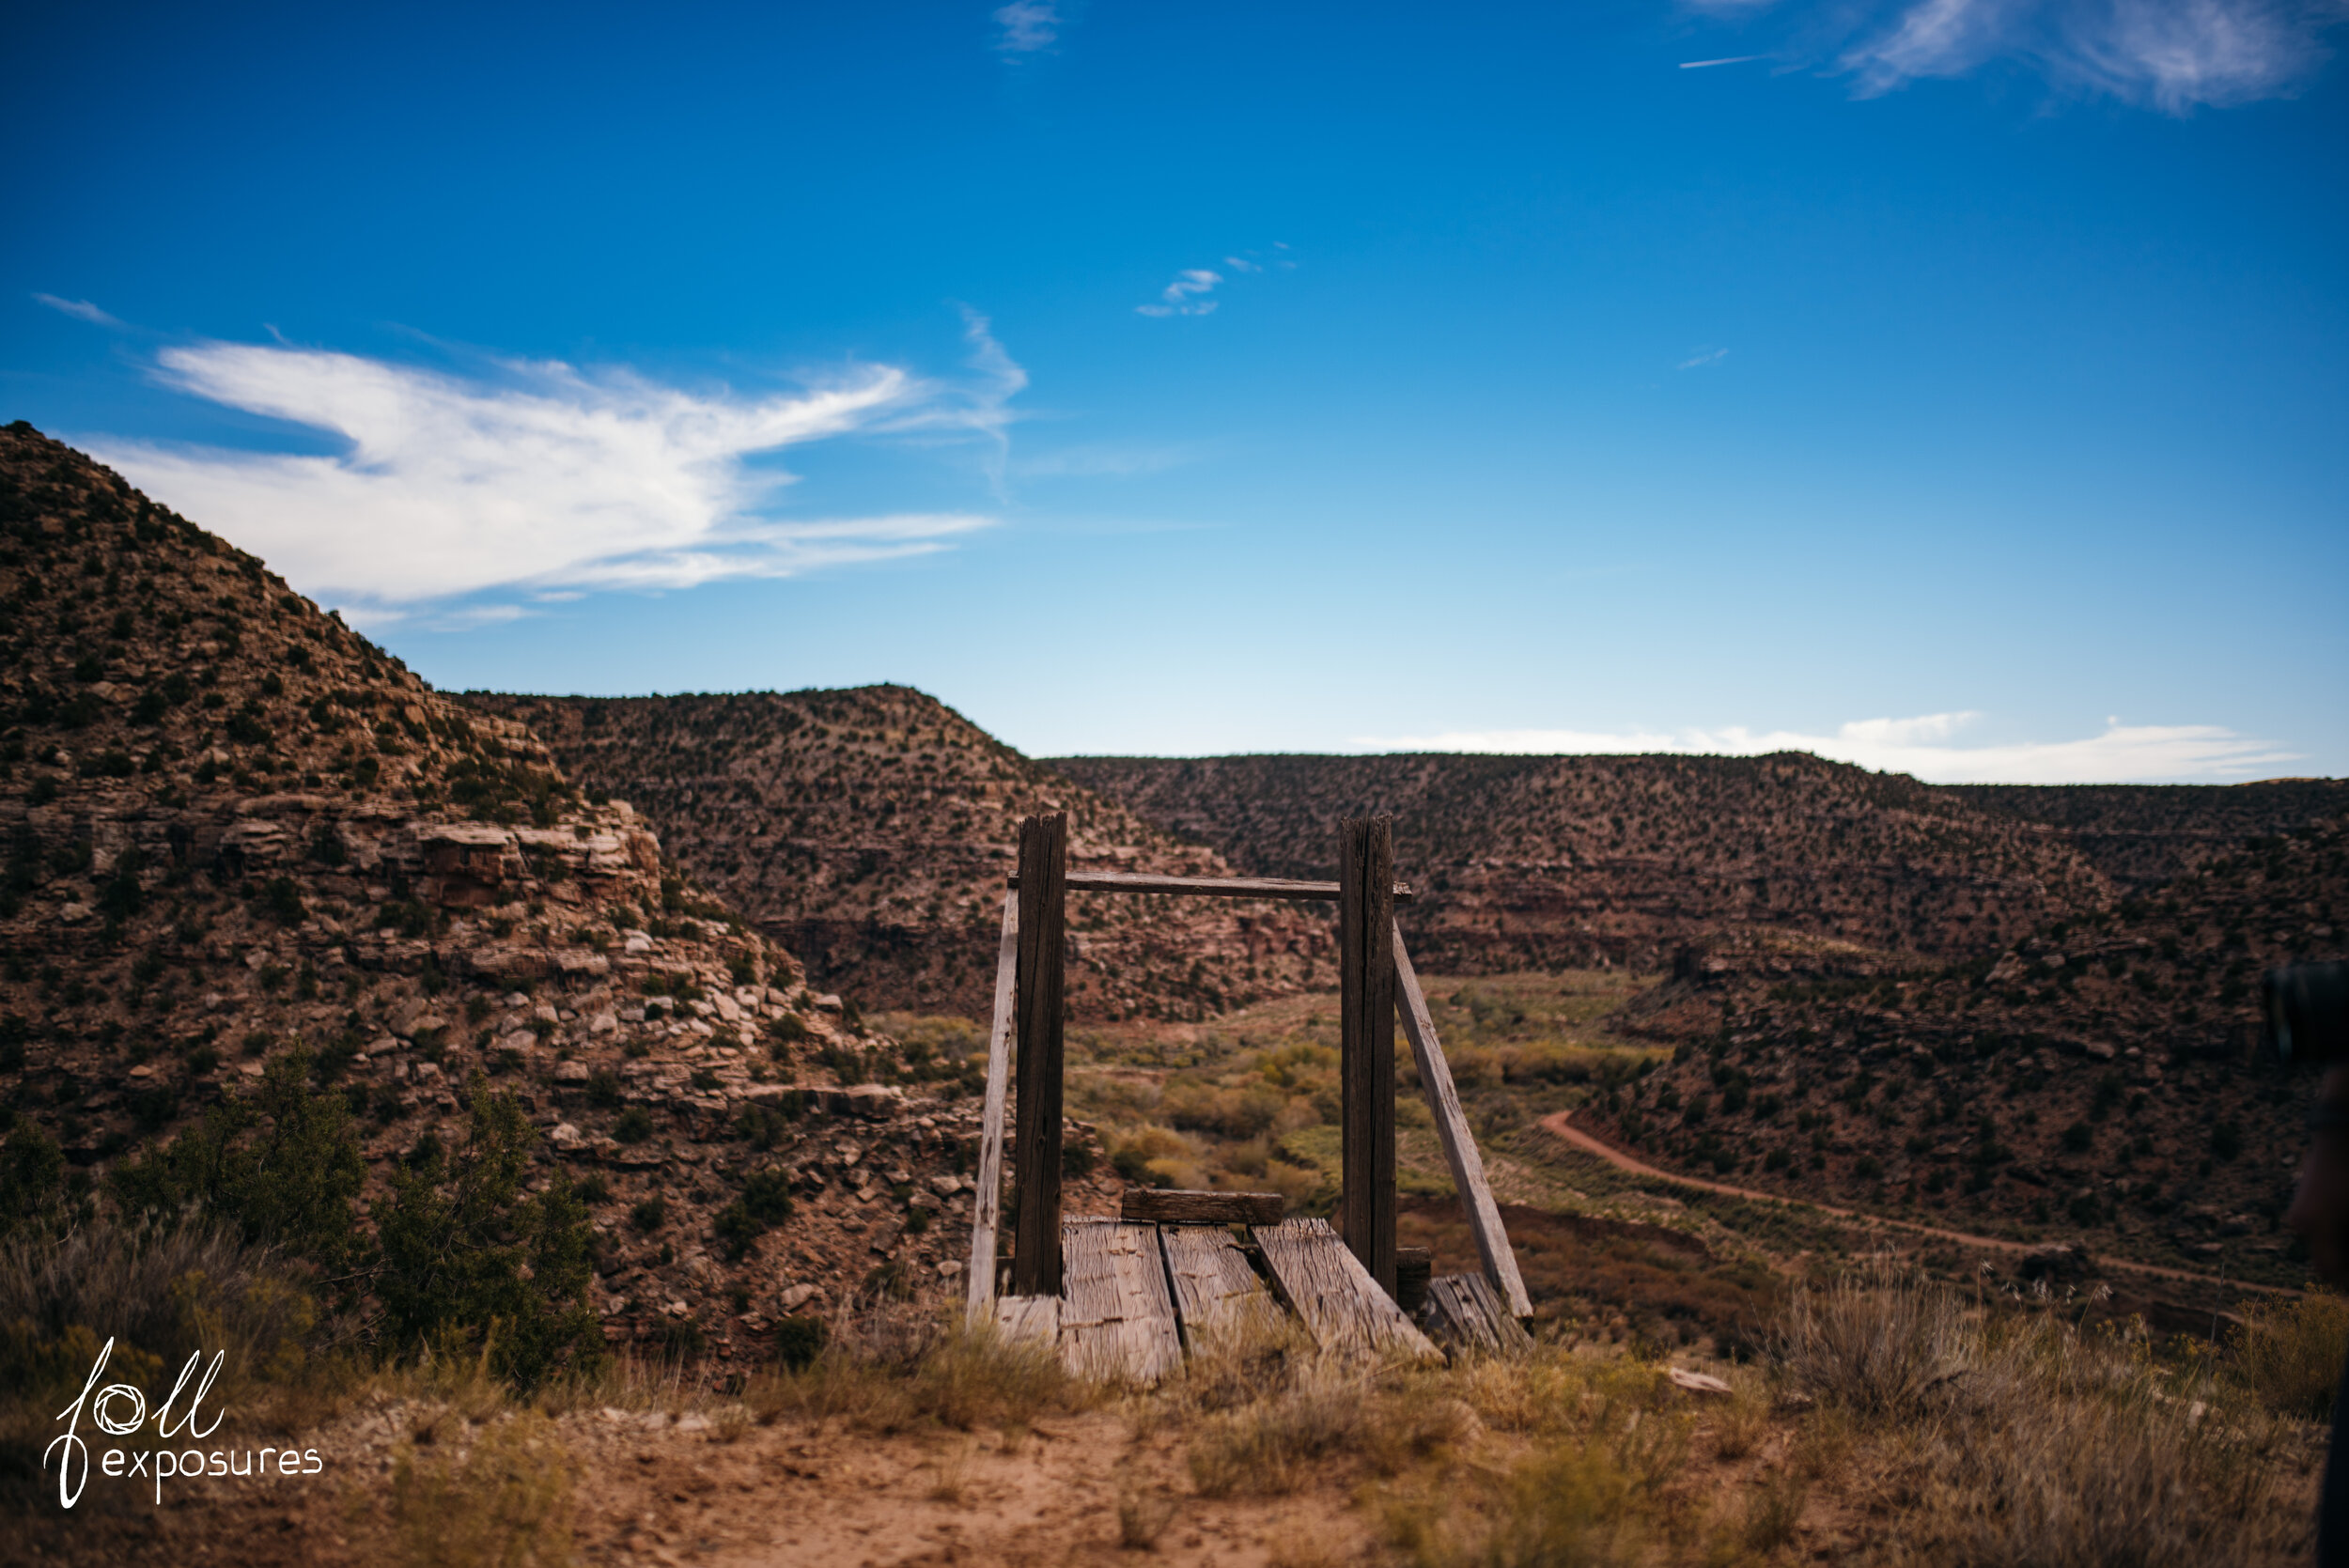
(1187, 295)
(79, 309)
(536, 479)
(1927, 747)
(1711, 356)
(1727, 60)
(1029, 27)
(2172, 54)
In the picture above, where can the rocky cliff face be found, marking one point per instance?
(233, 826)
(872, 829)
(1530, 861)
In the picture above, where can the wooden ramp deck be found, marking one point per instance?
(1137, 1297)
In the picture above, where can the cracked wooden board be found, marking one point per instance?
(1326, 1286)
(1215, 1288)
(1463, 1312)
(1116, 1318)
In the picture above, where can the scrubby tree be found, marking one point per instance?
(282, 1164)
(469, 1258)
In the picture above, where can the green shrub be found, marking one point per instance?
(32, 1177)
(766, 1195)
(282, 1165)
(467, 1256)
(634, 1125)
(736, 1231)
(799, 1341)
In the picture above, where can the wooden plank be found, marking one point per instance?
(1460, 1144)
(1367, 1044)
(1207, 887)
(1022, 1319)
(1177, 1206)
(1116, 1318)
(1328, 1288)
(986, 1209)
(1215, 1290)
(1465, 1314)
(1036, 1262)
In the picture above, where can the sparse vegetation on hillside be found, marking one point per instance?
(871, 831)
(2095, 1078)
(1538, 862)
(275, 916)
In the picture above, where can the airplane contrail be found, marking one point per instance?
(1733, 60)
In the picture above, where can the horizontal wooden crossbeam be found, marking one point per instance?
(1175, 1206)
(1206, 887)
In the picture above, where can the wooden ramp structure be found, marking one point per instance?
(1126, 1299)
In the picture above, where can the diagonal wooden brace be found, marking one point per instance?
(1460, 1144)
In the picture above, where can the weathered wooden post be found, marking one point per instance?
(1037, 1134)
(1366, 1042)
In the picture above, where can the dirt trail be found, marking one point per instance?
(1560, 1126)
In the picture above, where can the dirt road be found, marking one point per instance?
(1562, 1127)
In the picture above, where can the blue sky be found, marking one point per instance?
(1950, 385)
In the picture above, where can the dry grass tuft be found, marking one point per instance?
(2289, 1354)
(1569, 1503)
(506, 1502)
(1268, 1413)
(1877, 1345)
(1143, 1512)
(2026, 1440)
(896, 1369)
(1772, 1512)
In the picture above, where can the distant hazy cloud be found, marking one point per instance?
(1029, 27)
(536, 477)
(2173, 55)
(80, 309)
(1187, 295)
(1710, 356)
(1926, 747)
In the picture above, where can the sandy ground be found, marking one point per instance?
(655, 1488)
(789, 1495)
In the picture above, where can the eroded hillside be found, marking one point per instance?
(871, 831)
(1577, 860)
(250, 858)
(2097, 1075)
(2143, 836)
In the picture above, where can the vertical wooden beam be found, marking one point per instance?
(1036, 1265)
(986, 1209)
(1366, 1043)
(1460, 1144)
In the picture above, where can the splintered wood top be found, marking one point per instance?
(1117, 1318)
(1342, 1305)
(1022, 1318)
(1206, 887)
